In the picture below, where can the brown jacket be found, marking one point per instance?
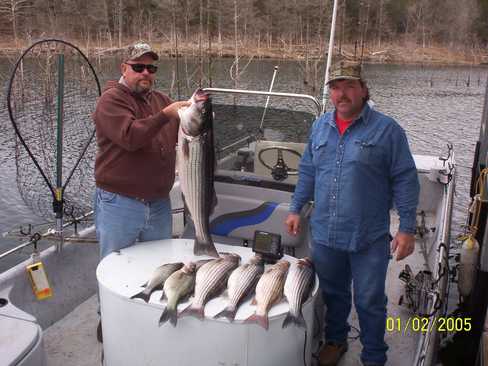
(136, 143)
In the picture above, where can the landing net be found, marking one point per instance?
(51, 95)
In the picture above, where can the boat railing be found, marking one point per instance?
(427, 339)
(48, 233)
(269, 94)
(53, 234)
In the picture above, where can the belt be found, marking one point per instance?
(143, 200)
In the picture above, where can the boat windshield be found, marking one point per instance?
(243, 126)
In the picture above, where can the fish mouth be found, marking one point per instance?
(200, 96)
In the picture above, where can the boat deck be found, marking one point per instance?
(72, 340)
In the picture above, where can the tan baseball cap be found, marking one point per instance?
(140, 49)
(341, 70)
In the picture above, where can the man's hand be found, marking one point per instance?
(171, 111)
(403, 244)
(292, 223)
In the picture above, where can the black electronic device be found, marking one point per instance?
(268, 245)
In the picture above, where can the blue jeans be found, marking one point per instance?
(120, 221)
(366, 270)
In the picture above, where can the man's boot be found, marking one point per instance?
(331, 353)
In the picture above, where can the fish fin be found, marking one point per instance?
(262, 320)
(142, 295)
(185, 148)
(253, 301)
(297, 320)
(228, 312)
(192, 311)
(168, 314)
(203, 248)
(214, 202)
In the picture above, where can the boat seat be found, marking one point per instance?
(20, 342)
(236, 218)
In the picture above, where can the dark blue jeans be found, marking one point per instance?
(366, 270)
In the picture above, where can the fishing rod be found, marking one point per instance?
(267, 99)
(329, 54)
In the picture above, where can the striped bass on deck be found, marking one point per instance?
(269, 291)
(157, 280)
(298, 285)
(241, 282)
(178, 286)
(210, 282)
(196, 167)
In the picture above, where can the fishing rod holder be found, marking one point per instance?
(418, 290)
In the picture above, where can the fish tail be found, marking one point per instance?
(229, 313)
(197, 312)
(142, 295)
(299, 321)
(205, 248)
(262, 320)
(168, 314)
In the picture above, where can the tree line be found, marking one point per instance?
(301, 26)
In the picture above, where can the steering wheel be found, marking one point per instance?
(280, 171)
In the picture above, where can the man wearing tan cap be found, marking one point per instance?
(357, 164)
(136, 130)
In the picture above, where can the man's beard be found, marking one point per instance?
(142, 89)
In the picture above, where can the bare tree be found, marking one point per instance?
(120, 12)
(13, 10)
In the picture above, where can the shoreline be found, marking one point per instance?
(392, 53)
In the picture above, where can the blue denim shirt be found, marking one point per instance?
(354, 179)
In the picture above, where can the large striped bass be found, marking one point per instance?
(298, 285)
(269, 291)
(196, 166)
(210, 281)
(241, 282)
(157, 280)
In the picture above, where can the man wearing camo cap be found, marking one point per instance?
(357, 164)
(136, 130)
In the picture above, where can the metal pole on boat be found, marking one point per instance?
(58, 199)
(267, 99)
(329, 54)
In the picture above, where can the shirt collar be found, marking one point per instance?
(123, 82)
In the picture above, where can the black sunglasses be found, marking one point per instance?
(140, 67)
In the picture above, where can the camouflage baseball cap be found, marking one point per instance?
(140, 49)
(350, 70)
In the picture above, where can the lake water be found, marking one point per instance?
(435, 105)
